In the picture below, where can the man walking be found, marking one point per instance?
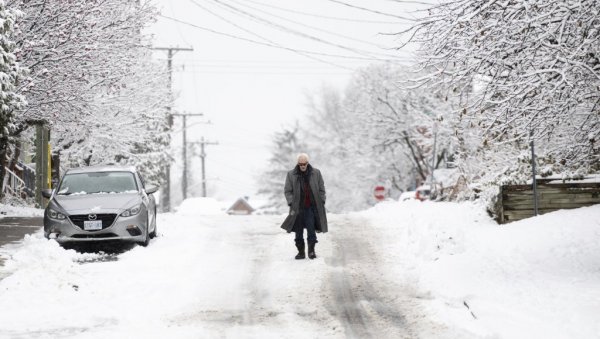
(305, 195)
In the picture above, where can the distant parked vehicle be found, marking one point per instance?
(101, 203)
(408, 195)
(423, 192)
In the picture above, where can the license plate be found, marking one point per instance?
(92, 225)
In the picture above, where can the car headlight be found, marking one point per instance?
(52, 214)
(132, 211)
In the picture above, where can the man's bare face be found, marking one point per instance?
(303, 164)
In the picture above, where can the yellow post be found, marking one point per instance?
(49, 171)
(42, 163)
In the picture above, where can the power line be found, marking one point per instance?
(271, 64)
(263, 38)
(321, 16)
(200, 63)
(310, 27)
(299, 73)
(303, 63)
(271, 45)
(370, 10)
(410, 2)
(231, 23)
(178, 30)
(295, 32)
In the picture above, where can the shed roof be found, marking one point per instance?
(240, 205)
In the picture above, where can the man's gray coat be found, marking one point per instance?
(292, 195)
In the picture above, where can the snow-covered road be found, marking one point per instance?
(366, 305)
(208, 276)
(398, 270)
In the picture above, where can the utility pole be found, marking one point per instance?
(166, 192)
(202, 157)
(184, 183)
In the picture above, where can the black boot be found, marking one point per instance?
(311, 251)
(300, 247)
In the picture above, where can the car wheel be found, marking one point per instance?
(147, 239)
(153, 233)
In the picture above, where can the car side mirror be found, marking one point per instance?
(151, 189)
(47, 193)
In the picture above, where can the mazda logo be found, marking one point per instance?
(92, 217)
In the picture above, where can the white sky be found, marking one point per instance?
(249, 91)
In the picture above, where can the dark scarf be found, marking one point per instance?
(304, 178)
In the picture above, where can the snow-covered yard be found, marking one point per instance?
(409, 269)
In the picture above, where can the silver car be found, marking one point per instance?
(101, 203)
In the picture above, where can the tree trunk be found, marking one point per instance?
(87, 160)
(418, 158)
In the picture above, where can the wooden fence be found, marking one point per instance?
(516, 201)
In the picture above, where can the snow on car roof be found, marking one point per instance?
(102, 168)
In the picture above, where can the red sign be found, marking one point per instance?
(379, 192)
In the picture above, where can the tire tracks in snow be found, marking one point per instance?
(258, 306)
(356, 303)
(345, 293)
(256, 311)
(245, 308)
(298, 303)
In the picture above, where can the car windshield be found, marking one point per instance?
(98, 182)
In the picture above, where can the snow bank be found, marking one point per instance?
(18, 211)
(535, 278)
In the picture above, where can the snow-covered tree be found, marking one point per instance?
(403, 119)
(340, 147)
(75, 50)
(10, 76)
(378, 132)
(128, 128)
(92, 81)
(523, 69)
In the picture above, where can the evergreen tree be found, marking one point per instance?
(286, 147)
